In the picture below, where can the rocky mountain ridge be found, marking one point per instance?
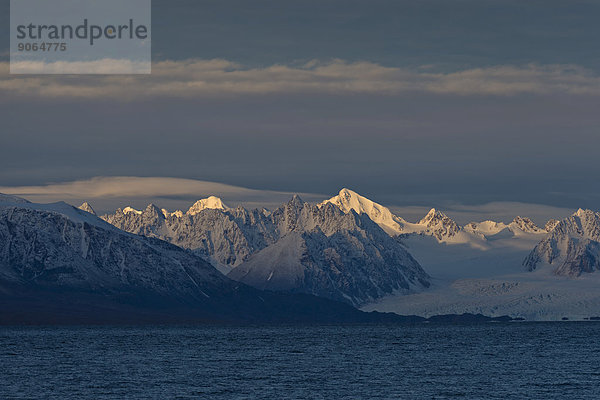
(62, 264)
(572, 248)
(339, 249)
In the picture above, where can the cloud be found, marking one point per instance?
(499, 211)
(103, 66)
(108, 193)
(193, 78)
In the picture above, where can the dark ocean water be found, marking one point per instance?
(495, 361)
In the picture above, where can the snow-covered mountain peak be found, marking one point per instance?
(519, 226)
(348, 200)
(586, 216)
(322, 249)
(486, 228)
(66, 210)
(7, 198)
(296, 201)
(436, 218)
(525, 225)
(439, 225)
(177, 213)
(87, 208)
(211, 202)
(153, 213)
(588, 223)
(339, 255)
(571, 248)
(129, 209)
(551, 224)
(153, 208)
(435, 223)
(350, 196)
(432, 217)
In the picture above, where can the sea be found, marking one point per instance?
(559, 360)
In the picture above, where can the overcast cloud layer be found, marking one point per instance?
(411, 103)
(106, 194)
(190, 78)
(109, 193)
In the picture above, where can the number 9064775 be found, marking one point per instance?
(44, 46)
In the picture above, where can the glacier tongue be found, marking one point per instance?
(492, 280)
(535, 298)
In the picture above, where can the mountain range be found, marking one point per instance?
(348, 249)
(62, 264)
(572, 248)
(299, 247)
(229, 237)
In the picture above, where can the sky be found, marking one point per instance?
(457, 105)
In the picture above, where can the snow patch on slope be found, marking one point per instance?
(132, 210)
(284, 270)
(485, 228)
